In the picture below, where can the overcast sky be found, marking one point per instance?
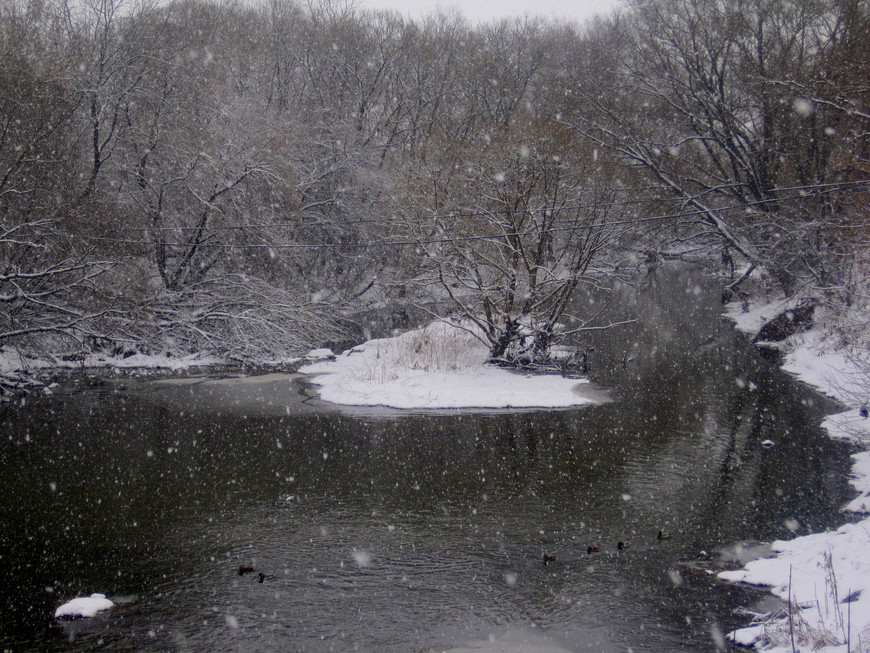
(477, 10)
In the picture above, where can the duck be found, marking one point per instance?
(246, 570)
(593, 549)
(621, 546)
(264, 577)
(663, 536)
(548, 559)
(863, 412)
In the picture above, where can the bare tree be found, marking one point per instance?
(48, 274)
(213, 149)
(700, 101)
(515, 237)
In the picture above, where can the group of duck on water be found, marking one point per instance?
(90, 606)
(620, 546)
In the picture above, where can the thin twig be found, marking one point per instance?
(790, 620)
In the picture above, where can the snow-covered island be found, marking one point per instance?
(437, 366)
(825, 576)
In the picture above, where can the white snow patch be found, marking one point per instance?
(437, 366)
(752, 319)
(746, 636)
(825, 569)
(84, 606)
(318, 354)
(152, 361)
(861, 482)
(832, 372)
(12, 361)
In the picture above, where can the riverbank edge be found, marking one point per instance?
(819, 559)
(22, 376)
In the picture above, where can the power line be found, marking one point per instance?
(826, 188)
(476, 237)
(436, 216)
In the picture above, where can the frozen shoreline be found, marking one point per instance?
(30, 375)
(826, 574)
(12, 361)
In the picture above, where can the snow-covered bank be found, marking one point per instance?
(437, 366)
(12, 361)
(21, 374)
(825, 575)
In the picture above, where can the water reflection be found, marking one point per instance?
(401, 533)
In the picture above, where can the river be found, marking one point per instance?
(390, 531)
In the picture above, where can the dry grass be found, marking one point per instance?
(789, 627)
(438, 347)
(780, 626)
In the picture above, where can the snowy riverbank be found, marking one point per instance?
(12, 361)
(436, 367)
(22, 375)
(825, 575)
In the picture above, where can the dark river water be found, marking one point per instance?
(389, 531)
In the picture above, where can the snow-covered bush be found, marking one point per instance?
(437, 347)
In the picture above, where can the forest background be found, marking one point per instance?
(240, 178)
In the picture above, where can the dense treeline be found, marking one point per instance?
(200, 174)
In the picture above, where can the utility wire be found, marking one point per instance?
(390, 220)
(455, 239)
(826, 188)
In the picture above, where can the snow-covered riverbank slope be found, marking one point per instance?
(825, 575)
(436, 367)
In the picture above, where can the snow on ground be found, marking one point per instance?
(437, 366)
(751, 320)
(319, 354)
(826, 575)
(833, 372)
(84, 606)
(12, 361)
(15, 365)
(161, 361)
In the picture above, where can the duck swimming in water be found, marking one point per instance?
(663, 536)
(246, 570)
(263, 577)
(593, 549)
(621, 546)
